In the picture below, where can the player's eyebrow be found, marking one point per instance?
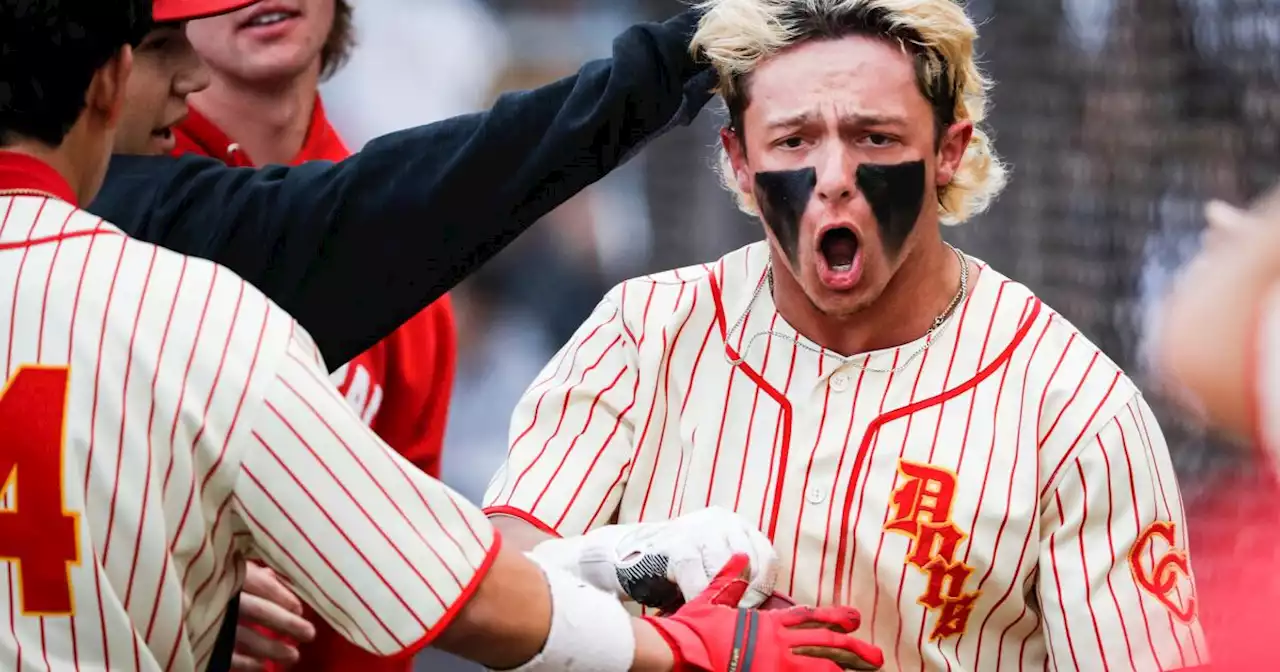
(850, 119)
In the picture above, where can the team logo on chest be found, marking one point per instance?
(922, 511)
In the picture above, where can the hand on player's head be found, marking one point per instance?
(709, 634)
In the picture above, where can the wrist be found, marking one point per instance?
(654, 653)
(591, 557)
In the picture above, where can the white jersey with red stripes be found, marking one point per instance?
(162, 422)
(1004, 501)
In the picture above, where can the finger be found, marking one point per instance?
(258, 611)
(850, 652)
(840, 619)
(253, 643)
(728, 587)
(243, 663)
(264, 583)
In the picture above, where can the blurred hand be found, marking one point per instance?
(267, 605)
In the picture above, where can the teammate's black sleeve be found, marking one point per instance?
(354, 249)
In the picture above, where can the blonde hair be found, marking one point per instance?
(735, 35)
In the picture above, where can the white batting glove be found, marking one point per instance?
(696, 546)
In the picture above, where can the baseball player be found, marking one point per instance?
(918, 435)
(162, 421)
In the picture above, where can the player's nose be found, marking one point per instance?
(835, 168)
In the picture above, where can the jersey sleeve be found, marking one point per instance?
(572, 433)
(1115, 583)
(384, 553)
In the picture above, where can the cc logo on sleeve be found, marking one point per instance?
(1160, 571)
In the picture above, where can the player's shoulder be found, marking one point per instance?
(158, 305)
(1071, 384)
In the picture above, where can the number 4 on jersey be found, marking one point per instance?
(37, 535)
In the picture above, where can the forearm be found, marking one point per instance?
(489, 617)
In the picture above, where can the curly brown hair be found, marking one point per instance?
(342, 39)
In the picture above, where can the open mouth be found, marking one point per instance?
(269, 18)
(840, 265)
(839, 249)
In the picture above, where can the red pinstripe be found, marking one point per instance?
(724, 412)
(1084, 563)
(324, 511)
(804, 487)
(751, 420)
(146, 483)
(48, 284)
(1111, 546)
(665, 353)
(587, 423)
(1083, 428)
(1003, 523)
(560, 422)
(1053, 374)
(1168, 515)
(1137, 528)
(324, 558)
(359, 507)
(1070, 400)
(1057, 582)
(173, 433)
(555, 374)
(320, 419)
(853, 483)
(17, 284)
(778, 436)
(235, 416)
(835, 485)
(771, 391)
(616, 423)
(124, 421)
(902, 449)
(680, 483)
(93, 424)
(300, 570)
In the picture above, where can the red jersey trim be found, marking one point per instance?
(452, 612)
(522, 515)
(780, 398)
(57, 238)
(872, 429)
(19, 171)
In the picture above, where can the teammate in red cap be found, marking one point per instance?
(162, 422)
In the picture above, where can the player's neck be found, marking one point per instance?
(69, 161)
(923, 288)
(270, 123)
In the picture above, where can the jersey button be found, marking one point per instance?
(816, 495)
(840, 382)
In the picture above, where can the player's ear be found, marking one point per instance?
(951, 148)
(106, 95)
(736, 151)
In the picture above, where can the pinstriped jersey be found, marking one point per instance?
(1004, 501)
(162, 423)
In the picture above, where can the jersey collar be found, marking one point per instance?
(23, 172)
(197, 134)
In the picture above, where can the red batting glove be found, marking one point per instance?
(709, 634)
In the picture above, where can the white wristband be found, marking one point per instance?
(590, 630)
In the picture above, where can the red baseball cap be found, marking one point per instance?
(172, 11)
